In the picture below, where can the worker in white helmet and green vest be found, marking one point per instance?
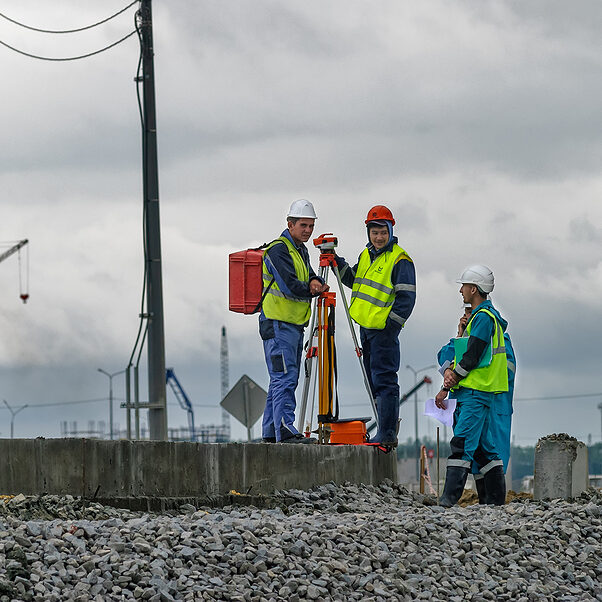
(477, 376)
(289, 284)
(383, 284)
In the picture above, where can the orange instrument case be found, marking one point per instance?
(351, 431)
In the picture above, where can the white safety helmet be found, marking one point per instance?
(301, 208)
(479, 275)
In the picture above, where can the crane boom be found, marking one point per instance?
(13, 250)
(182, 398)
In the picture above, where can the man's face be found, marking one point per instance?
(379, 236)
(467, 291)
(301, 230)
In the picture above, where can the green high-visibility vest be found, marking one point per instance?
(492, 378)
(373, 292)
(277, 305)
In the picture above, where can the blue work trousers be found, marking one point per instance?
(381, 358)
(283, 347)
(500, 425)
(472, 443)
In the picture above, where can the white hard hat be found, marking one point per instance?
(479, 275)
(301, 208)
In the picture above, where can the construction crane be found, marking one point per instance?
(183, 400)
(16, 248)
(425, 381)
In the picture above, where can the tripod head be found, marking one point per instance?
(326, 242)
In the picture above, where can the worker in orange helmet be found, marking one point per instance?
(383, 284)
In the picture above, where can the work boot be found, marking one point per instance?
(388, 422)
(455, 480)
(268, 440)
(481, 489)
(298, 438)
(495, 486)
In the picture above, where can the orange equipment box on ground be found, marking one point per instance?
(352, 432)
(245, 281)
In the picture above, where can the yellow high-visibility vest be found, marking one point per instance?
(373, 292)
(494, 377)
(277, 305)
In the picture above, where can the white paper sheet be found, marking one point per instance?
(445, 416)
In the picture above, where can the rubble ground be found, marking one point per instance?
(348, 542)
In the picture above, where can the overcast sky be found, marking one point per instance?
(477, 123)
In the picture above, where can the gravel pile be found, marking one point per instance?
(330, 543)
(49, 507)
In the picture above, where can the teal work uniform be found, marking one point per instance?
(500, 418)
(473, 441)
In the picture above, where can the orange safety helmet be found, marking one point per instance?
(380, 212)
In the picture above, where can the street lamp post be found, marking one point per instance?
(416, 442)
(13, 413)
(110, 397)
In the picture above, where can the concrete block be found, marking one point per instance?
(159, 470)
(561, 467)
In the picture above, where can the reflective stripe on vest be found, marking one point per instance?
(279, 306)
(494, 377)
(373, 292)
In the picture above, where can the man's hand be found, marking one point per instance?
(450, 379)
(317, 288)
(440, 399)
(462, 325)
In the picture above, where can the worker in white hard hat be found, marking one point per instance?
(500, 414)
(478, 374)
(289, 284)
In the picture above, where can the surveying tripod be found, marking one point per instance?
(321, 357)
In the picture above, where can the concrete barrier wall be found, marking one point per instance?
(129, 469)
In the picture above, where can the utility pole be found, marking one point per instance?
(13, 413)
(416, 440)
(157, 397)
(600, 408)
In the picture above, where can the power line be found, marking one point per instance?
(351, 405)
(99, 399)
(558, 397)
(64, 403)
(544, 398)
(68, 30)
(69, 58)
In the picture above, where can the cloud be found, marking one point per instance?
(478, 84)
